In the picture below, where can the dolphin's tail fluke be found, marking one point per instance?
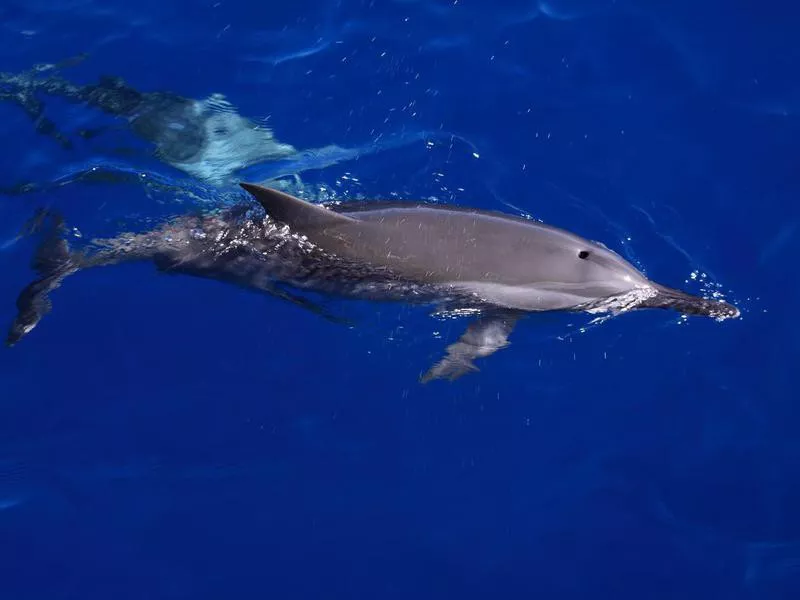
(53, 262)
(690, 305)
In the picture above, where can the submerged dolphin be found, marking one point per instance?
(501, 265)
(206, 138)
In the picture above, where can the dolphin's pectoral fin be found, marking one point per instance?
(485, 336)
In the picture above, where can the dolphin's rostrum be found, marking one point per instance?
(500, 265)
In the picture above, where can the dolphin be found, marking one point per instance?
(498, 265)
(205, 138)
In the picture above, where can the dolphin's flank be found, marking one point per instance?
(500, 265)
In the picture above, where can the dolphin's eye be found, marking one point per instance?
(583, 254)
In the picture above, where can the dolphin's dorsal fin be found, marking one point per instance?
(298, 214)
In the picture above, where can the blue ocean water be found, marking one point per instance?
(171, 437)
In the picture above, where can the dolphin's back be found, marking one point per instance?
(435, 243)
(444, 244)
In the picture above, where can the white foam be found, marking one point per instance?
(622, 303)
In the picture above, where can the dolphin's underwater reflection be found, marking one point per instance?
(500, 265)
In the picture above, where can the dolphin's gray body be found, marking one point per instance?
(501, 265)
